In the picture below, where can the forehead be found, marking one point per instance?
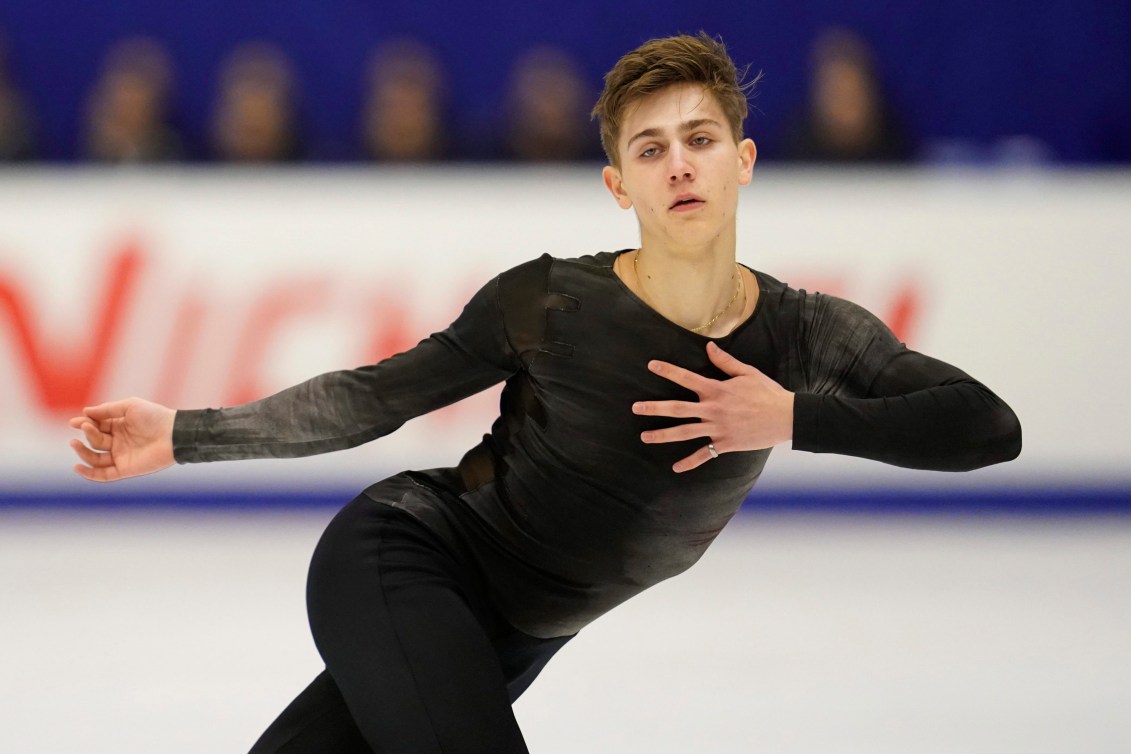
(669, 107)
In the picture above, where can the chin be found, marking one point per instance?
(693, 230)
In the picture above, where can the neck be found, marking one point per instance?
(690, 286)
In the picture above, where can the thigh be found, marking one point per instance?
(412, 659)
(523, 657)
(316, 722)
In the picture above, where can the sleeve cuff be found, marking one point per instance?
(186, 425)
(806, 421)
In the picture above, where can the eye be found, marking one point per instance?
(701, 140)
(650, 152)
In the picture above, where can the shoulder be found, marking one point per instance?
(778, 303)
(602, 260)
(533, 278)
(835, 330)
(811, 307)
(814, 317)
(523, 293)
(825, 311)
(540, 266)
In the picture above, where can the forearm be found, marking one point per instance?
(330, 412)
(958, 426)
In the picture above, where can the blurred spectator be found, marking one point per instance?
(17, 133)
(547, 110)
(255, 116)
(404, 105)
(847, 119)
(127, 117)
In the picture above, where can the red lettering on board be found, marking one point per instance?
(391, 333)
(181, 349)
(903, 313)
(276, 306)
(65, 379)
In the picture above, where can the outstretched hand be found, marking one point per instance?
(748, 411)
(123, 439)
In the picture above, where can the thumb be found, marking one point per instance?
(728, 363)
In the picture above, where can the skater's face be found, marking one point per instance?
(680, 166)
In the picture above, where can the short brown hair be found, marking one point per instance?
(660, 63)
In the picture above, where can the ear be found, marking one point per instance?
(747, 154)
(615, 184)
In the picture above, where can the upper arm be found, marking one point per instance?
(843, 347)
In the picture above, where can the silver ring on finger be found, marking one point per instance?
(711, 449)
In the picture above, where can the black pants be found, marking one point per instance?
(417, 660)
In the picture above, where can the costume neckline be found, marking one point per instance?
(758, 278)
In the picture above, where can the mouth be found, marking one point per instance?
(686, 202)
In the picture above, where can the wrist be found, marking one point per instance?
(788, 417)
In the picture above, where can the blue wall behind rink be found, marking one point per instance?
(1058, 70)
(1064, 502)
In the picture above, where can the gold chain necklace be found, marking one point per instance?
(737, 287)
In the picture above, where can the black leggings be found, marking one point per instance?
(417, 660)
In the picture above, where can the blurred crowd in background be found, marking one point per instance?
(130, 115)
(257, 110)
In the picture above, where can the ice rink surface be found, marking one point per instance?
(184, 631)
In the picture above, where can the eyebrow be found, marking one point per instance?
(690, 125)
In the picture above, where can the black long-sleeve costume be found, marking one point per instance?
(566, 511)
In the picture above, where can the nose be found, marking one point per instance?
(679, 166)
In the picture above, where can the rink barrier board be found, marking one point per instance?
(1113, 499)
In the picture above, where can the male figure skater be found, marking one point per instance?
(644, 391)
